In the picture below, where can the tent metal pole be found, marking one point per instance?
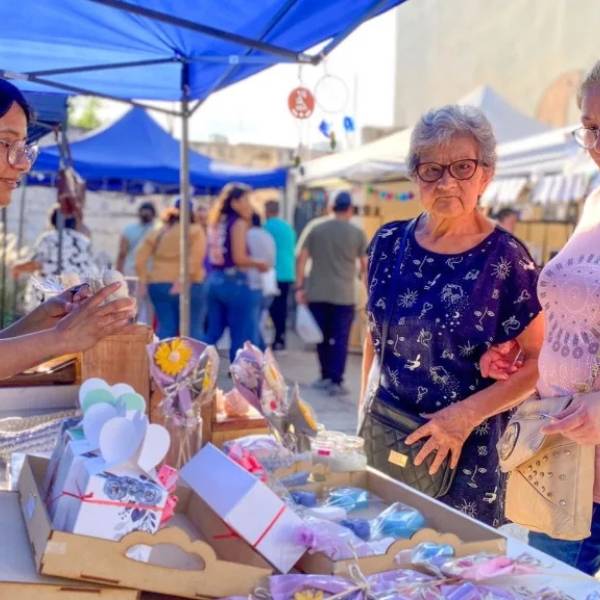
(104, 67)
(4, 74)
(234, 65)
(207, 30)
(184, 209)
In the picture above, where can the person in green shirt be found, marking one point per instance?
(285, 245)
(337, 250)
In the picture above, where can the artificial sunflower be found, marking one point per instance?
(172, 357)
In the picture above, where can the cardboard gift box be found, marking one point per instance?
(445, 525)
(175, 561)
(109, 503)
(19, 579)
(250, 509)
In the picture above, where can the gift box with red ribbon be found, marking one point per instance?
(248, 507)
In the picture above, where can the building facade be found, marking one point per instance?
(533, 52)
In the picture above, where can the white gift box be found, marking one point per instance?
(110, 503)
(252, 510)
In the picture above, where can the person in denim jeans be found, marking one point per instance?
(228, 287)
(157, 266)
(569, 363)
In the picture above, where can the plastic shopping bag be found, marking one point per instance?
(269, 283)
(306, 326)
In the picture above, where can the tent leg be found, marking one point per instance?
(184, 222)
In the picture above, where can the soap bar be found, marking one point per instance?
(328, 513)
(308, 499)
(113, 276)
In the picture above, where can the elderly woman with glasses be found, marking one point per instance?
(68, 323)
(569, 362)
(450, 284)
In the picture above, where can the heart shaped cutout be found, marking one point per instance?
(120, 439)
(154, 447)
(119, 389)
(133, 401)
(93, 383)
(97, 396)
(94, 419)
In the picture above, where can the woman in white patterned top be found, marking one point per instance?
(569, 362)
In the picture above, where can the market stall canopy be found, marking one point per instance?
(508, 122)
(50, 110)
(377, 160)
(136, 155)
(551, 164)
(137, 49)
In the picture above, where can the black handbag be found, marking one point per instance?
(385, 427)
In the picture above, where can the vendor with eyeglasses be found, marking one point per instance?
(72, 321)
(450, 283)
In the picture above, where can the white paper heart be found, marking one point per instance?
(97, 396)
(94, 420)
(120, 439)
(96, 390)
(119, 389)
(93, 383)
(154, 447)
(133, 402)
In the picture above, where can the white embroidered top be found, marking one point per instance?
(569, 291)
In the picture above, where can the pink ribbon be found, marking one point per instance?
(168, 478)
(248, 461)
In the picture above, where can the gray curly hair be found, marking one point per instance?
(591, 79)
(439, 125)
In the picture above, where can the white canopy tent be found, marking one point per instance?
(386, 158)
(552, 164)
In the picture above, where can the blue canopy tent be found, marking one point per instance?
(168, 50)
(152, 157)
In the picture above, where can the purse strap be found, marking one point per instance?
(393, 290)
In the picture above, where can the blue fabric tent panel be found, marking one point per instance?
(137, 149)
(74, 33)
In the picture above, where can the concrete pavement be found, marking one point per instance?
(299, 365)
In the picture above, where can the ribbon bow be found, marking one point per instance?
(246, 459)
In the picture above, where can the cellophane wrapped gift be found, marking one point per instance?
(186, 372)
(258, 378)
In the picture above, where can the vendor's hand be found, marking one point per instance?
(16, 271)
(88, 322)
(47, 314)
(501, 361)
(447, 430)
(301, 297)
(580, 421)
(175, 288)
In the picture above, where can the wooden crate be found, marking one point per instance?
(120, 359)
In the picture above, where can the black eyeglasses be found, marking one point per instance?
(19, 151)
(586, 137)
(459, 169)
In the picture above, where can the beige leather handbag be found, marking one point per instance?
(550, 487)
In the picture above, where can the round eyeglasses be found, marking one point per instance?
(459, 169)
(586, 137)
(18, 152)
